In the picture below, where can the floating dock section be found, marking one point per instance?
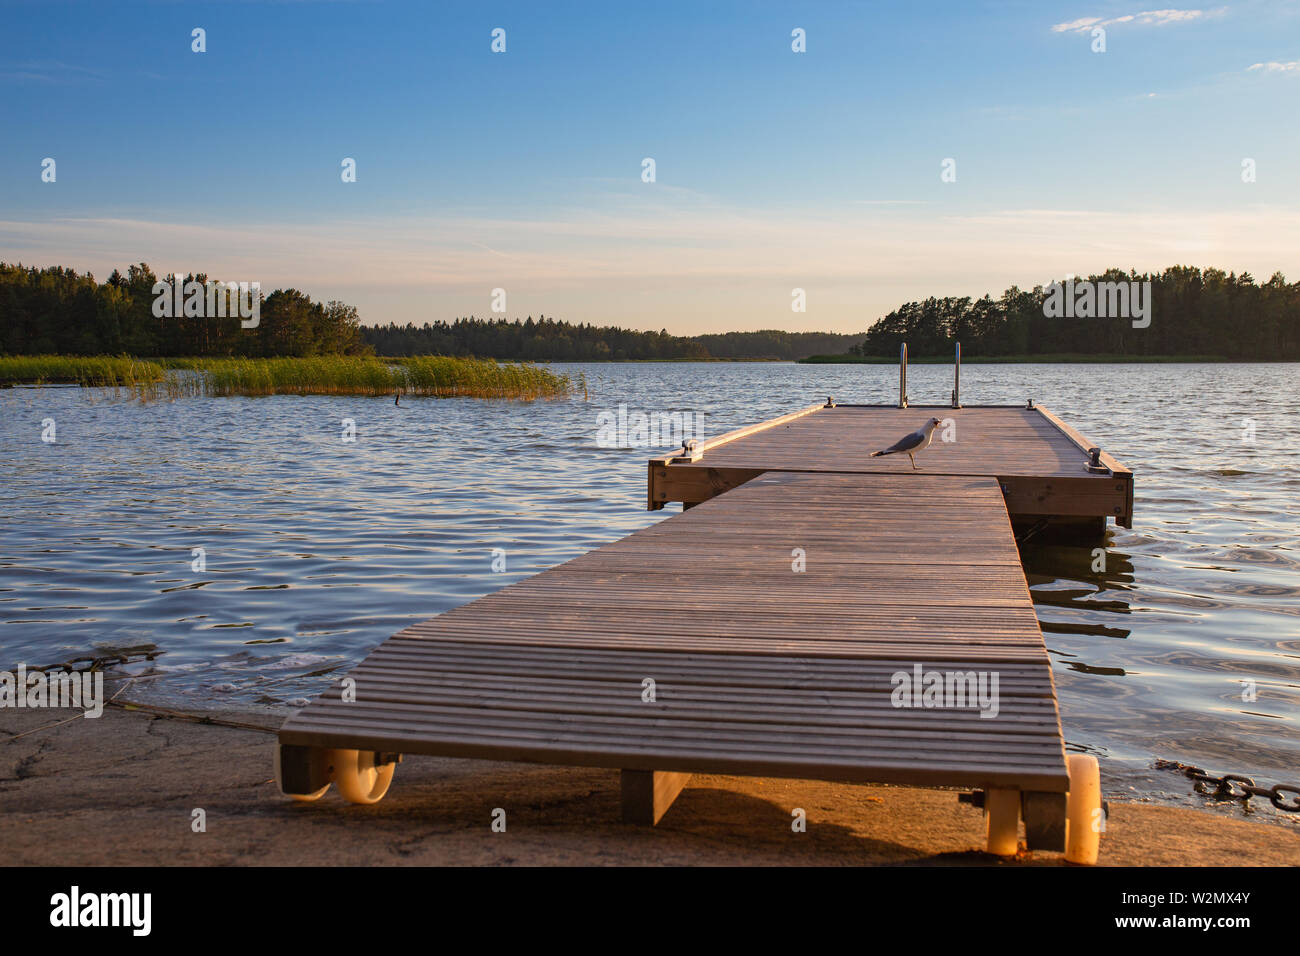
(785, 625)
(1043, 466)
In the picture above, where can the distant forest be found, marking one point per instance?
(550, 340)
(1194, 312)
(57, 311)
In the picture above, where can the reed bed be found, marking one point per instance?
(438, 376)
(481, 378)
(425, 375)
(324, 375)
(91, 371)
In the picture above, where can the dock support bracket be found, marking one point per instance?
(647, 794)
(303, 769)
(1044, 816)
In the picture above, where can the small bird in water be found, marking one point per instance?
(918, 441)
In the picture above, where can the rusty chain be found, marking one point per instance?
(77, 665)
(1233, 786)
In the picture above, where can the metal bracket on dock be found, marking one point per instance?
(1094, 462)
(830, 402)
(691, 451)
(1029, 404)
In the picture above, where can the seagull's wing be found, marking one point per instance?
(906, 443)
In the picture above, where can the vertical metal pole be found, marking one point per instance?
(956, 380)
(902, 376)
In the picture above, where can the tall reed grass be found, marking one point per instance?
(93, 371)
(481, 378)
(431, 375)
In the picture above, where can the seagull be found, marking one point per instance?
(918, 441)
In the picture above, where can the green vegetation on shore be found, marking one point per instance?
(1189, 313)
(96, 371)
(56, 311)
(433, 375)
(428, 375)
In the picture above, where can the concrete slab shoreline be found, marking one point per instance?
(121, 790)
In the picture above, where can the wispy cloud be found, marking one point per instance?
(1292, 66)
(1155, 18)
(49, 71)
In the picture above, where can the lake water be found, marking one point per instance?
(317, 549)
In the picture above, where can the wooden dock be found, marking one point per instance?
(1041, 464)
(766, 631)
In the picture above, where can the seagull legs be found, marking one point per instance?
(913, 461)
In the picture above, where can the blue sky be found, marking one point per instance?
(774, 170)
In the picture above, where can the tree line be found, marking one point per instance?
(547, 339)
(58, 311)
(1192, 312)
